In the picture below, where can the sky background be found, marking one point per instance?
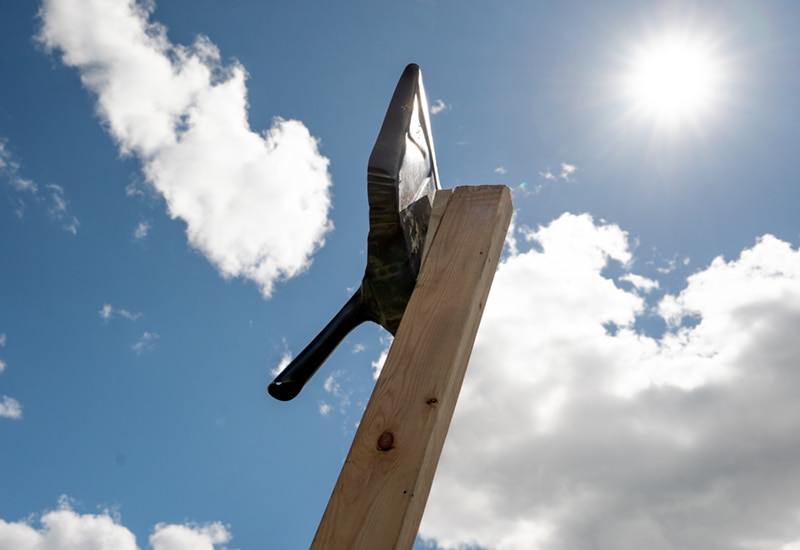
(183, 206)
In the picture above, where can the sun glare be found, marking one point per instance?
(673, 79)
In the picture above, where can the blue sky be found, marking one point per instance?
(183, 206)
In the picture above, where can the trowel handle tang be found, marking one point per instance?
(290, 381)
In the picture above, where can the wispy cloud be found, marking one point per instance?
(66, 528)
(377, 364)
(26, 190)
(500, 170)
(567, 435)
(59, 209)
(9, 407)
(641, 283)
(141, 231)
(669, 265)
(548, 175)
(566, 173)
(147, 342)
(333, 387)
(108, 312)
(139, 188)
(286, 358)
(9, 171)
(439, 106)
(255, 204)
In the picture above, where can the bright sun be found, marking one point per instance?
(673, 79)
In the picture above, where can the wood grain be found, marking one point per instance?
(380, 495)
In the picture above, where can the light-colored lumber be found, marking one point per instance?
(380, 495)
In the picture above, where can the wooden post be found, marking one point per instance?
(381, 492)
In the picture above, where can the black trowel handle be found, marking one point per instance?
(292, 379)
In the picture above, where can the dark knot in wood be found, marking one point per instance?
(386, 441)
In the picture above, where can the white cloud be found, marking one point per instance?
(9, 171)
(440, 106)
(324, 408)
(66, 529)
(566, 173)
(141, 231)
(358, 348)
(670, 265)
(146, 343)
(548, 175)
(377, 365)
(567, 170)
(334, 388)
(59, 209)
(511, 245)
(128, 315)
(331, 385)
(286, 358)
(255, 204)
(189, 537)
(57, 203)
(108, 312)
(10, 408)
(568, 437)
(138, 188)
(500, 170)
(642, 283)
